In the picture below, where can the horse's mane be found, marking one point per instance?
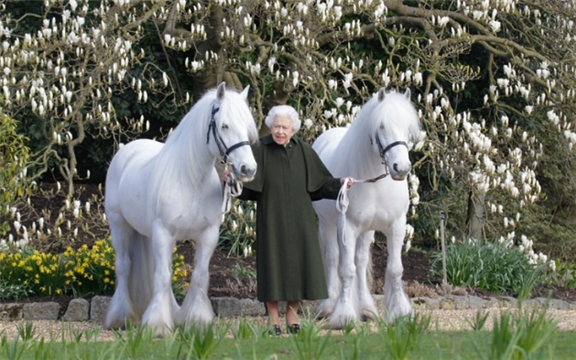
(395, 112)
(185, 156)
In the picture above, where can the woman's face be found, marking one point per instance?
(282, 130)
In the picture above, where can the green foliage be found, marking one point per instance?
(565, 275)
(134, 337)
(14, 291)
(12, 349)
(479, 320)
(490, 266)
(237, 233)
(26, 272)
(553, 227)
(27, 331)
(242, 271)
(308, 344)
(552, 218)
(199, 342)
(13, 159)
(90, 271)
(244, 330)
(403, 335)
(521, 336)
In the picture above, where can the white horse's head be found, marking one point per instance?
(231, 130)
(397, 127)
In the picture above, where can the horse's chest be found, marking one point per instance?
(189, 214)
(377, 207)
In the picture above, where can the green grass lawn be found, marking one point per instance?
(431, 345)
(514, 335)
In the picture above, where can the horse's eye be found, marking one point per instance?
(225, 127)
(381, 126)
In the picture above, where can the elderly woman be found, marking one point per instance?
(290, 176)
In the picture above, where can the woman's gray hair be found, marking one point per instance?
(283, 110)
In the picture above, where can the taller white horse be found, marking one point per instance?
(159, 193)
(374, 146)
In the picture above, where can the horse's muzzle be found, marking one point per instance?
(398, 173)
(245, 173)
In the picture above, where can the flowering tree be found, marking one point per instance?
(494, 83)
(62, 65)
(493, 80)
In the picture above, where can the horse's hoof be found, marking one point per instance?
(116, 325)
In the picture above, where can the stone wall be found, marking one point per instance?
(95, 310)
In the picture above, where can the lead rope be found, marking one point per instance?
(342, 204)
(232, 188)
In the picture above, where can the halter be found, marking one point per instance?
(224, 150)
(384, 150)
(233, 187)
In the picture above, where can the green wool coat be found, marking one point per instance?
(288, 257)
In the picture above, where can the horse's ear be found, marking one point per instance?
(244, 93)
(407, 93)
(221, 91)
(381, 94)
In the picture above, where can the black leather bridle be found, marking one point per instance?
(384, 150)
(224, 150)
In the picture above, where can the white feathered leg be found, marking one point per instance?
(395, 299)
(120, 310)
(366, 304)
(346, 307)
(159, 314)
(196, 308)
(331, 254)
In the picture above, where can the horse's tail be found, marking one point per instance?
(141, 272)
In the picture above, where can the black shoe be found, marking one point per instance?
(277, 331)
(294, 328)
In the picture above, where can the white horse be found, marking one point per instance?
(159, 193)
(374, 146)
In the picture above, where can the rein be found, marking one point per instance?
(233, 187)
(342, 203)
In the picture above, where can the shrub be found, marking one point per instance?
(13, 158)
(496, 267)
(90, 271)
(84, 271)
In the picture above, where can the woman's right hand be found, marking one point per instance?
(350, 180)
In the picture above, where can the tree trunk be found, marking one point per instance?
(475, 218)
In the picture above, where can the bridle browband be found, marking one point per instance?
(224, 150)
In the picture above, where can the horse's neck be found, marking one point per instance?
(202, 168)
(195, 167)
